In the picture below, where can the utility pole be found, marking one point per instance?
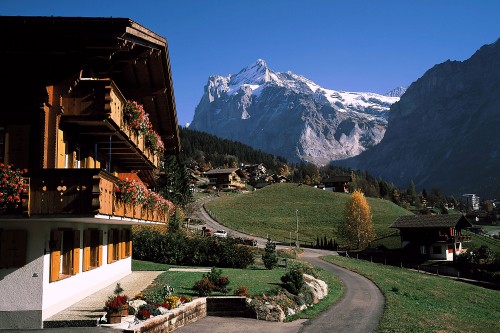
(297, 232)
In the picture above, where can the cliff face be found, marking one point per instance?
(443, 131)
(288, 115)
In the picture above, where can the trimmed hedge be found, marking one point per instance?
(178, 249)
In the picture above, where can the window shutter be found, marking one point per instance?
(13, 248)
(129, 241)
(2, 254)
(75, 269)
(4, 248)
(110, 246)
(99, 252)
(55, 254)
(87, 235)
(123, 239)
(20, 244)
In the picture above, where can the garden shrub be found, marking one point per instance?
(147, 310)
(204, 287)
(242, 291)
(269, 257)
(293, 281)
(212, 281)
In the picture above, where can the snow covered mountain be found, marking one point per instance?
(291, 116)
(396, 92)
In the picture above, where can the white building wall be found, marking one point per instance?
(28, 288)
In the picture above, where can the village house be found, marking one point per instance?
(226, 179)
(437, 237)
(337, 183)
(87, 113)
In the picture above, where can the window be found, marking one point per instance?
(436, 250)
(114, 245)
(92, 248)
(126, 243)
(64, 247)
(13, 244)
(119, 244)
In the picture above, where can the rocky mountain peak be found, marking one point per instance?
(396, 92)
(289, 115)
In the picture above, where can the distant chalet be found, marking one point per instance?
(229, 179)
(432, 236)
(338, 183)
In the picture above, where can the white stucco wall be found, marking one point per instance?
(21, 287)
(28, 288)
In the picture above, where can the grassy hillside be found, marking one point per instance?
(271, 211)
(416, 302)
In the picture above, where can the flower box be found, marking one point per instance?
(114, 317)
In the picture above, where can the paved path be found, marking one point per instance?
(358, 311)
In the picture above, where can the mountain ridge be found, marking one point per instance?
(441, 132)
(287, 114)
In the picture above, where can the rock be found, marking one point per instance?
(136, 303)
(269, 312)
(319, 287)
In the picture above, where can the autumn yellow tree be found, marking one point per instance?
(357, 227)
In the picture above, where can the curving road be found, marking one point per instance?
(358, 311)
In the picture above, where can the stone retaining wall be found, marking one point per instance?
(188, 313)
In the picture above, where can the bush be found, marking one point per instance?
(147, 310)
(293, 281)
(178, 249)
(242, 291)
(212, 281)
(269, 257)
(204, 287)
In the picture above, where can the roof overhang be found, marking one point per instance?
(40, 51)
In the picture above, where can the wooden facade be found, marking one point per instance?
(231, 178)
(62, 119)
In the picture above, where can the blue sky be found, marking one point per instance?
(348, 45)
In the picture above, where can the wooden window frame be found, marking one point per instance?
(64, 248)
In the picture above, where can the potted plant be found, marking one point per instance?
(116, 306)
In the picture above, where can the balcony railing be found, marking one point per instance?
(81, 193)
(94, 109)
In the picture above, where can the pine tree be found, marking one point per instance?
(357, 227)
(174, 182)
(269, 257)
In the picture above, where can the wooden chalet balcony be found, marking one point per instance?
(75, 193)
(94, 110)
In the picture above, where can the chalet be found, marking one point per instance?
(87, 114)
(432, 236)
(231, 178)
(337, 183)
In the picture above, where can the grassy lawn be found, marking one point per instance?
(271, 211)
(479, 240)
(417, 302)
(258, 280)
